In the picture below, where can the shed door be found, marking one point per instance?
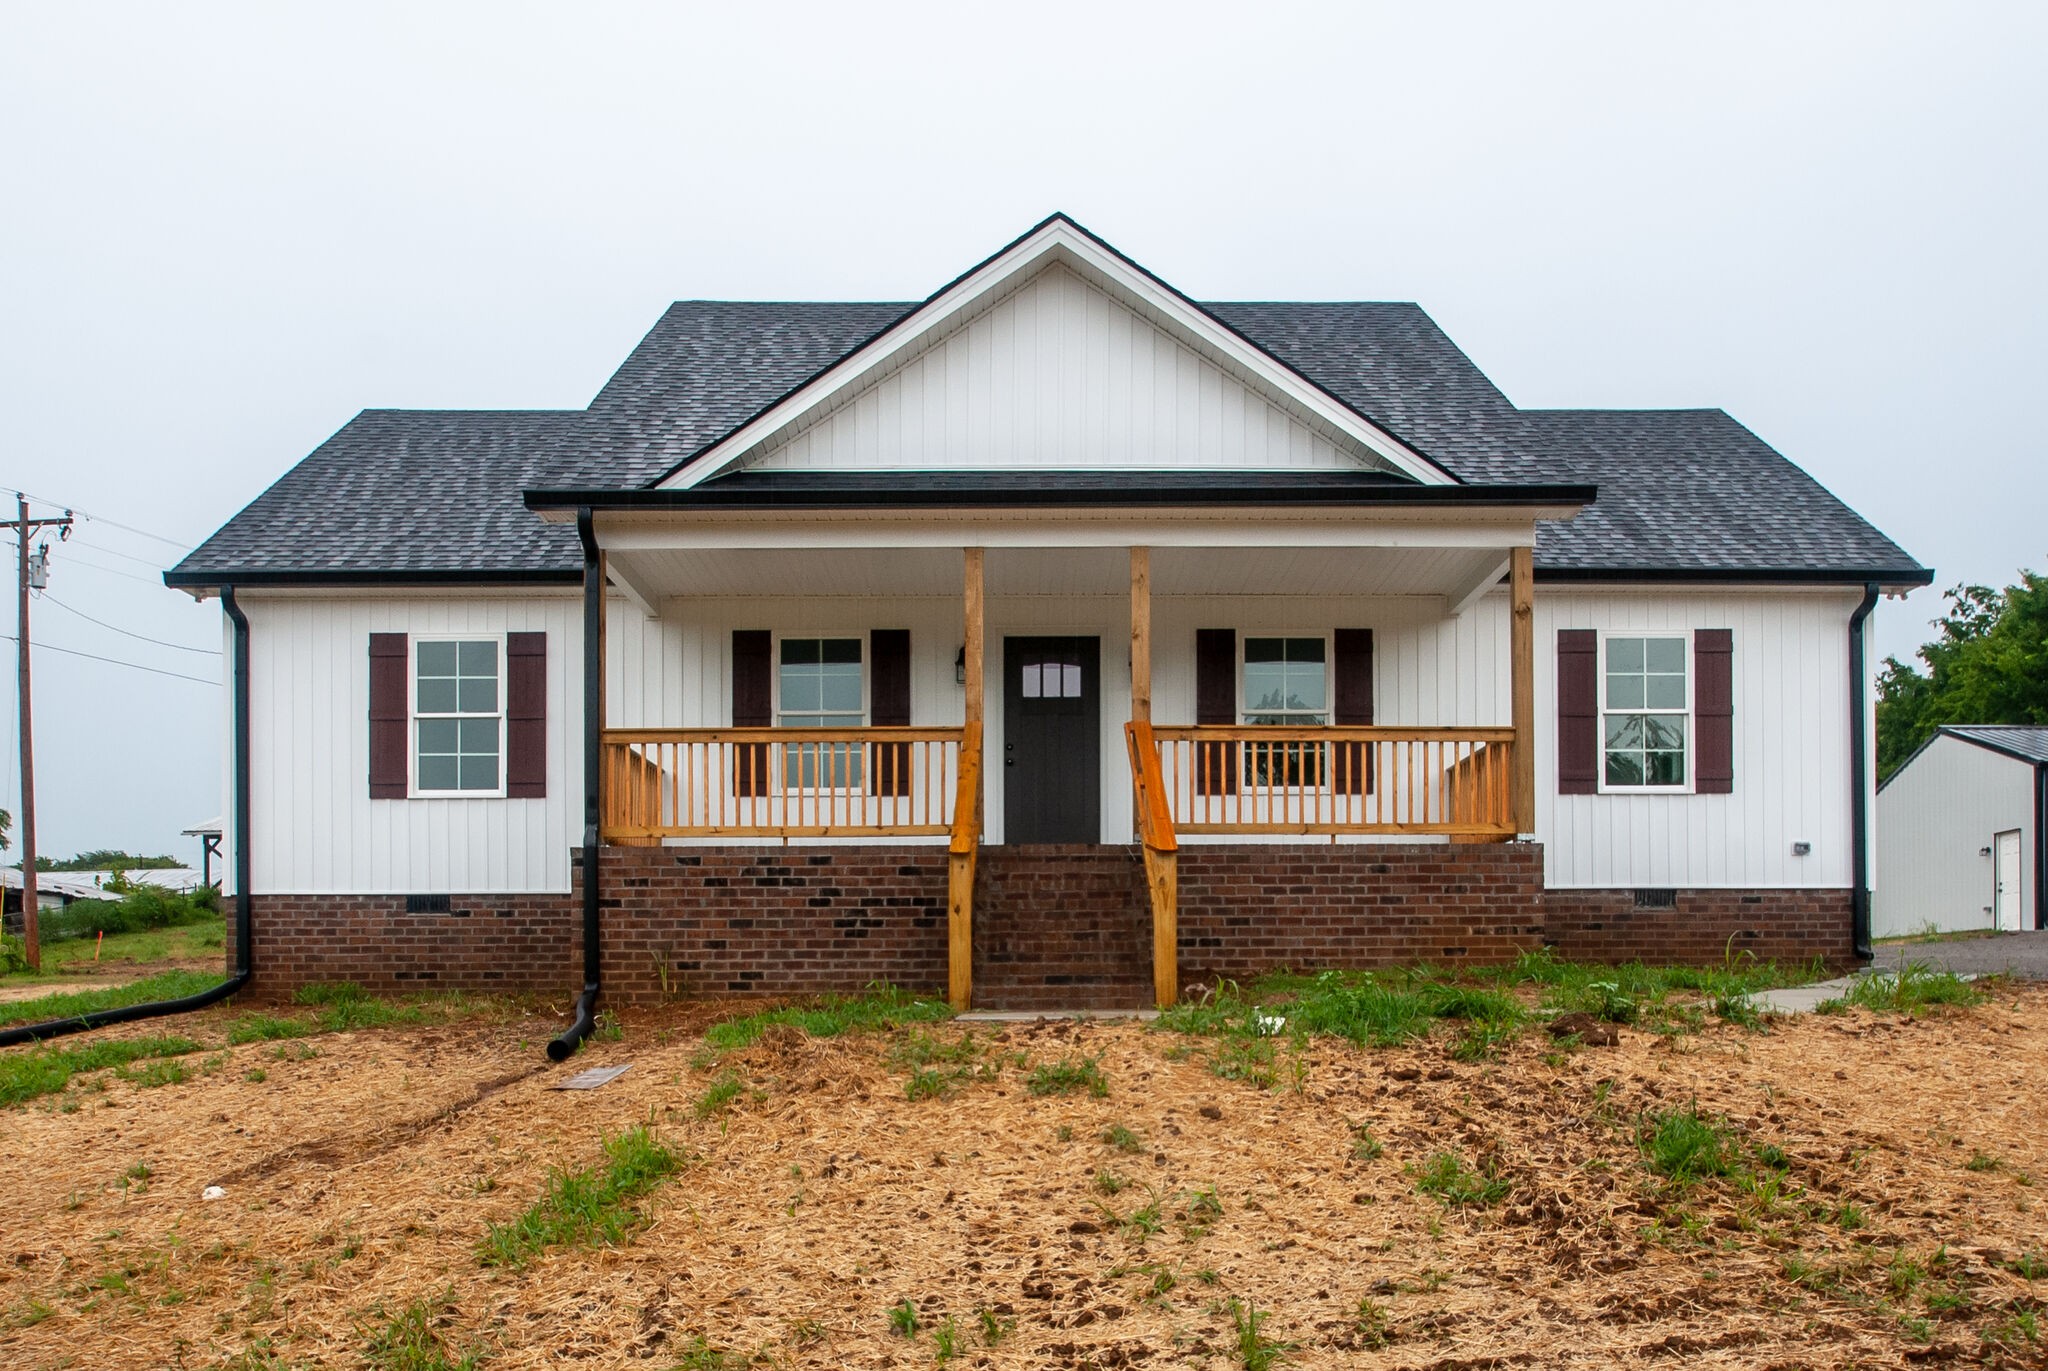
(1052, 730)
(2005, 889)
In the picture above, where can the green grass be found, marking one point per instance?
(589, 1208)
(882, 1007)
(345, 1007)
(48, 1070)
(722, 1091)
(903, 1319)
(1255, 1351)
(263, 1028)
(1122, 1138)
(1685, 1146)
(1068, 1075)
(188, 942)
(1913, 989)
(1446, 1176)
(170, 985)
(411, 1340)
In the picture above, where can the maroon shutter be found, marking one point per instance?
(1578, 711)
(753, 651)
(1353, 706)
(1216, 703)
(889, 766)
(389, 718)
(526, 716)
(1713, 710)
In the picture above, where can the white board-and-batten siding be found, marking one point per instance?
(1936, 818)
(315, 829)
(1790, 700)
(1058, 374)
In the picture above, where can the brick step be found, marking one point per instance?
(1061, 927)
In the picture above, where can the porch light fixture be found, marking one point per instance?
(960, 666)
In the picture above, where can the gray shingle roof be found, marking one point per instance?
(434, 493)
(2028, 742)
(403, 492)
(1692, 489)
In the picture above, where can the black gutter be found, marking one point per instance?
(1041, 497)
(1859, 778)
(57, 1028)
(208, 580)
(593, 706)
(1860, 576)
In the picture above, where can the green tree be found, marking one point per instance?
(1988, 665)
(6, 826)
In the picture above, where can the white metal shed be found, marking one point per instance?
(1962, 834)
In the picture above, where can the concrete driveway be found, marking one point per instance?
(2024, 955)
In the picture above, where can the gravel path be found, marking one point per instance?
(2024, 955)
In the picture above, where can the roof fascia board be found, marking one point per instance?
(521, 576)
(1056, 238)
(1116, 528)
(1891, 580)
(1547, 502)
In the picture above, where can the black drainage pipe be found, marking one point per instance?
(57, 1028)
(593, 686)
(1859, 783)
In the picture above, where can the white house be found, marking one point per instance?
(1057, 639)
(1964, 830)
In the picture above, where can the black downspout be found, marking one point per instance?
(2041, 846)
(1859, 782)
(593, 688)
(57, 1028)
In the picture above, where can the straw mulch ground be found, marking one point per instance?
(359, 1181)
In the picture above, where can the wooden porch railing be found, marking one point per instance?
(782, 782)
(1161, 851)
(1331, 780)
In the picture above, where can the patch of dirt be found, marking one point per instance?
(363, 1177)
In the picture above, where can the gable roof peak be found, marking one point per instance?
(1061, 239)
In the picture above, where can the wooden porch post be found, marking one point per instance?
(960, 865)
(1141, 634)
(1522, 587)
(1159, 854)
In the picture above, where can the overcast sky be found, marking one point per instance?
(224, 230)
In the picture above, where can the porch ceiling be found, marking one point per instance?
(1454, 573)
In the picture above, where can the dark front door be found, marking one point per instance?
(1052, 740)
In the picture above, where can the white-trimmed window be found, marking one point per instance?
(821, 682)
(1645, 711)
(1284, 680)
(458, 716)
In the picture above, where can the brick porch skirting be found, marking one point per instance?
(686, 922)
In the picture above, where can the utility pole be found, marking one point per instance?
(35, 574)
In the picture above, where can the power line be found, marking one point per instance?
(111, 661)
(139, 637)
(151, 563)
(179, 543)
(114, 571)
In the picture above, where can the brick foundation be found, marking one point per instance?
(490, 943)
(1246, 910)
(1703, 928)
(1055, 927)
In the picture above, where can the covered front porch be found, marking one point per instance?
(1262, 680)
